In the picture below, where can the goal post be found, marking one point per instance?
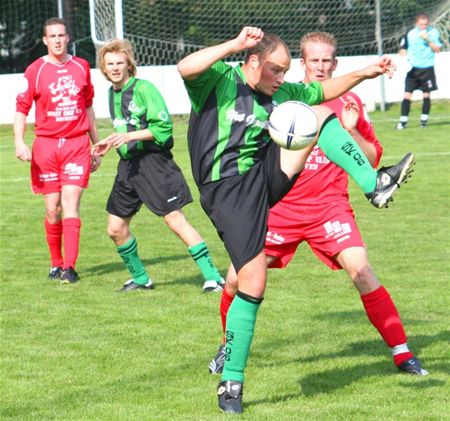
(106, 20)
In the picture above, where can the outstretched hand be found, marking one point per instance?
(113, 140)
(101, 148)
(382, 66)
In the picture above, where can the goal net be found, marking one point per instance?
(164, 31)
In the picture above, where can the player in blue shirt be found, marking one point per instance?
(419, 45)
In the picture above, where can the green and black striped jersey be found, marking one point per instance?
(137, 106)
(228, 125)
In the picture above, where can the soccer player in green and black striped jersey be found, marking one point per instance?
(146, 172)
(241, 173)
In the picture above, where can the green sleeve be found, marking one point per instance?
(309, 93)
(200, 88)
(157, 115)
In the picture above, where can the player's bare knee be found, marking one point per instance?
(292, 162)
(322, 113)
(231, 284)
(364, 279)
(119, 233)
(53, 214)
(174, 220)
(113, 233)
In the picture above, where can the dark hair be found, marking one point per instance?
(268, 45)
(422, 15)
(53, 21)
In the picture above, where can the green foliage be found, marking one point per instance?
(85, 352)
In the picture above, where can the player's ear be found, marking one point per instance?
(253, 61)
(44, 40)
(335, 63)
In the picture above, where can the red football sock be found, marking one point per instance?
(225, 303)
(71, 234)
(54, 240)
(382, 313)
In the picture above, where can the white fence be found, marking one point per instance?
(169, 83)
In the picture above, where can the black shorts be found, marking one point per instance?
(421, 79)
(239, 206)
(153, 179)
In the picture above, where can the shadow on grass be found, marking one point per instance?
(430, 124)
(175, 278)
(329, 381)
(371, 348)
(338, 377)
(105, 268)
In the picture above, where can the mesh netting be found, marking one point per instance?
(163, 31)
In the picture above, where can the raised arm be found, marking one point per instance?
(332, 88)
(196, 63)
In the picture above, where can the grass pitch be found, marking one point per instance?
(84, 352)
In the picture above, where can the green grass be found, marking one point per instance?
(84, 352)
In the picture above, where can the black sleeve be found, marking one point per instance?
(404, 42)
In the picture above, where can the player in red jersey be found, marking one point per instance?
(60, 86)
(317, 210)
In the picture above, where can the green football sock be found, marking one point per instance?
(201, 256)
(241, 319)
(342, 149)
(129, 254)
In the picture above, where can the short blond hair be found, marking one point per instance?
(116, 45)
(319, 37)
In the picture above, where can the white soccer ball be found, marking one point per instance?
(293, 125)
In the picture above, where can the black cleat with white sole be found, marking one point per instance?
(412, 366)
(389, 180)
(55, 273)
(229, 393)
(69, 276)
(217, 363)
(132, 286)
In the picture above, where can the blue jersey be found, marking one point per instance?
(419, 53)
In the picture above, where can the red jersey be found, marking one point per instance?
(61, 92)
(322, 181)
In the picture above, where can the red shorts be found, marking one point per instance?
(328, 230)
(59, 162)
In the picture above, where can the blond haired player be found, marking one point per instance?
(146, 172)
